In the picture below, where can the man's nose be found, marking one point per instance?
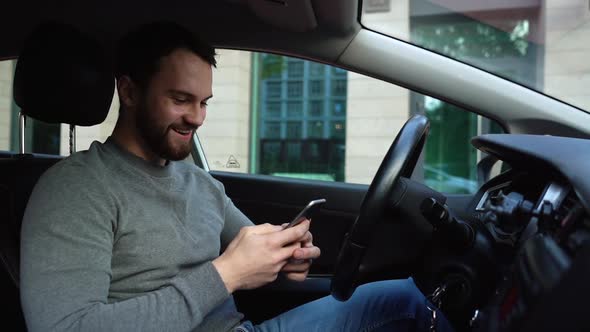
(196, 116)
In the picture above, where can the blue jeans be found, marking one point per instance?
(393, 305)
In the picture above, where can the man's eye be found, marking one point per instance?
(204, 103)
(179, 100)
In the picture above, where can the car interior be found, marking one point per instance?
(510, 257)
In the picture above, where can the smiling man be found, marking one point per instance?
(124, 237)
(159, 117)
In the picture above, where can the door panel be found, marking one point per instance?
(278, 199)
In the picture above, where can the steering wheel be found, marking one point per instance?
(400, 160)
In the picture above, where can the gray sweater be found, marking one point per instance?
(111, 242)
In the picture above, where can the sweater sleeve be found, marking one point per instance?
(234, 221)
(66, 249)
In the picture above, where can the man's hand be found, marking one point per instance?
(258, 253)
(298, 267)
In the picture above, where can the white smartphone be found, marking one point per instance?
(307, 212)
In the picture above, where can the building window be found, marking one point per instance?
(272, 129)
(295, 89)
(338, 71)
(294, 129)
(316, 69)
(339, 108)
(339, 88)
(315, 129)
(295, 69)
(337, 129)
(294, 109)
(273, 89)
(316, 108)
(273, 109)
(311, 127)
(316, 88)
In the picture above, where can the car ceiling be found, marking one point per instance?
(327, 31)
(319, 29)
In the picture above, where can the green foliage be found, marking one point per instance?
(272, 66)
(469, 39)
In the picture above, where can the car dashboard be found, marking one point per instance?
(537, 222)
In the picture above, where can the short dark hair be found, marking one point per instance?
(141, 50)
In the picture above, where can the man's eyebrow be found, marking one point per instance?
(186, 94)
(180, 92)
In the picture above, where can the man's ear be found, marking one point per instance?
(128, 92)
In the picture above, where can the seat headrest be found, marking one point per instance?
(63, 76)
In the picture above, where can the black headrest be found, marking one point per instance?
(63, 76)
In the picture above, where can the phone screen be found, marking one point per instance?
(307, 212)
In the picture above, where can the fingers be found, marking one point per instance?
(290, 235)
(264, 228)
(312, 252)
(286, 252)
(297, 271)
(296, 276)
(307, 240)
(300, 266)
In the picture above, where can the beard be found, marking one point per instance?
(157, 137)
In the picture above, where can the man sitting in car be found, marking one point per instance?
(126, 237)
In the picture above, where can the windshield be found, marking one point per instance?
(544, 45)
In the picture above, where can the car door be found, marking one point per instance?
(282, 131)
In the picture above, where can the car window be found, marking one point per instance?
(289, 117)
(540, 44)
(86, 135)
(7, 119)
(42, 137)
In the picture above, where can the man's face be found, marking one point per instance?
(174, 104)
